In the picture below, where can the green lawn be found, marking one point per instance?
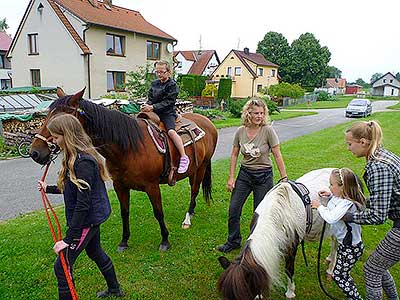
(397, 106)
(189, 270)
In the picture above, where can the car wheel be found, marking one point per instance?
(365, 114)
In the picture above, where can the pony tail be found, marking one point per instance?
(376, 137)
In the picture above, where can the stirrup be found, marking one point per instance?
(184, 163)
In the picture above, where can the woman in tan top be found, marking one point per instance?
(255, 140)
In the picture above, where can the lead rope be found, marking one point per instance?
(47, 206)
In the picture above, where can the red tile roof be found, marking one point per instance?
(200, 58)
(5, 41)
(336, 82)
(114, 16)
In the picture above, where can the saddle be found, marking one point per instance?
(186, 129)
(304, 194)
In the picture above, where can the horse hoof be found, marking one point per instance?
(185, 226)
(164, 247)
(121, 248)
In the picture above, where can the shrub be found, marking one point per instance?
(285, 89)
(210, 91)
(138, 82)
(235, 106)
(187, 84)
(193, 84)
(324, 96)
(224, 88)
(209, 113)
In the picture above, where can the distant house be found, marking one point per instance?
(387, 85)
(353, 89)
(78, 43)
(5, 64)
(335, 86)
(250, 73)
(199, 62)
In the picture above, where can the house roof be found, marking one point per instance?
(256, 58)
(5, 41)
(386, 83)
(201, 58)
(112, 16)
(336, 83)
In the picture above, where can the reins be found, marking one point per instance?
(47, 206)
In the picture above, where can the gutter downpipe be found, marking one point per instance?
(88, 62)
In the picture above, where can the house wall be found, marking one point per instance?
(211, 66)
(59, 59)
(387, 79)
(185, 64)
(135, 55)
(390, 91)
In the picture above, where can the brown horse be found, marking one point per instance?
(132, 159)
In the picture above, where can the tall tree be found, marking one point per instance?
(361, 82)
(375, 77)
(334, 72)
(3, 25)
(275, 48)
(398, 75)
(309, 61)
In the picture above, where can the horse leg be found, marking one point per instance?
(331, 258)
(123, 197)
(153, 191)
(195, 180)
(289, 269)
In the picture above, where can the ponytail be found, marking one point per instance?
(369, 130)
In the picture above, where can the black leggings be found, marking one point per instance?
(90, 241)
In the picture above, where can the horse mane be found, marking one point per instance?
(243, 279)
(105, 125)
(281, 221)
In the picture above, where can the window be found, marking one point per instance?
(35, 77)
(229, 71)
(33, 44)
(260, 72)
(391, 80)
(384, 80)
(238, 71)
(153, 50)
(115, 44)
(2, 62)
(115, 81)
(273, 73)
(392, 92)
(259, 88)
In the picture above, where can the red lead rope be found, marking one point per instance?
(47, 206)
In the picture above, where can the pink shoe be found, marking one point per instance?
(183, 164)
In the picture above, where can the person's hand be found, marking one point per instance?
(230, 185)
(58, 246)
(146, 108)
(324, 193)
(42, 186)
(315, 203)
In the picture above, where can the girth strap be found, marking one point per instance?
(304, 195)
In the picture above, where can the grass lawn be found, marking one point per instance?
(283, 115)
(189, 270)
(397, 106)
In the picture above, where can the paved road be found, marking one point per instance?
(18, 193)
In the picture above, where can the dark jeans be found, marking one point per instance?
(259, 182)
(90, 241)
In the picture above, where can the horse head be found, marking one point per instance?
(243, 278)
(42, 146)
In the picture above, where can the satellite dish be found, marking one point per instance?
(170, 48)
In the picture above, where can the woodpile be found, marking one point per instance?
(15, 131)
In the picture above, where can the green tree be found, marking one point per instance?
(398, 75)
(138, 82)
(309, 61)
(375, 77)
(3, 25)
(334, 72)
(361, 82)
(275, 48)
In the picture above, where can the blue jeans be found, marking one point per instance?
(257, 181)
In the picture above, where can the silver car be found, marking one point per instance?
(359, 108)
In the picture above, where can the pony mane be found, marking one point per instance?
(281, 220)
(107, 126)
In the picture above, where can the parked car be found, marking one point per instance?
(359, 107)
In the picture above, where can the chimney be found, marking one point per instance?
(246, 51)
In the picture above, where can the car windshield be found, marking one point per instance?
(358, 102)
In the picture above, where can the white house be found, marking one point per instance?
(387, 85)
(5, 65)
(200, 62)
(78, 43)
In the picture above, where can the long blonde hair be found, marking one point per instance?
(351, 185)
(248, 108)
(75, 140)
(369, 130)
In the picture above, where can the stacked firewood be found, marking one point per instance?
(14, 130)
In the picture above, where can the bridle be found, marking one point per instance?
(52, 146)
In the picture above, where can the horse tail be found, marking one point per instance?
(244, 279)
(207, 184)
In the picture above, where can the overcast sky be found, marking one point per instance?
(362, 35)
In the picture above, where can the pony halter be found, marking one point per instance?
(52, 147)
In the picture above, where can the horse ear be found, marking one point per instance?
(224, 262)
(74, 100)
(60, 92)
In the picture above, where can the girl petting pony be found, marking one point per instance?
(345, 196)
